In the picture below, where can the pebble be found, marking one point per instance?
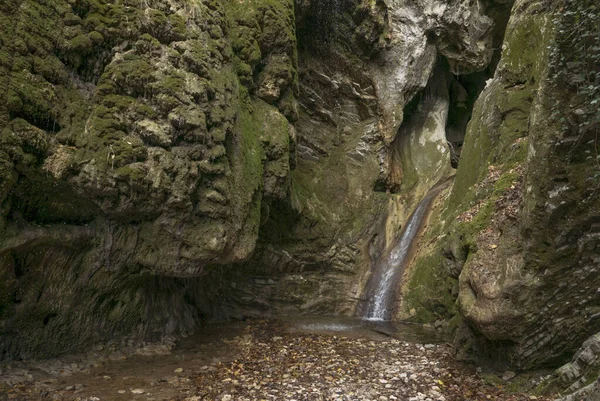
(75, 387)
(508, 375)
(274, 365)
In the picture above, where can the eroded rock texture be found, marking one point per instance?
(537, 290)
(165, 162)
(519, 229)
(138, 141)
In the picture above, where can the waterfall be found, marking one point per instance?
(390, 268)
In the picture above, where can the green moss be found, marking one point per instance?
(252, 153)
(523, 58)
(146, 44)
(8, 178)
(22, 138)
(172, 84)
(178, 27)
(51, 69)
(501, 116)
(521, 384)
(37, 96)
(197, 55)
(430, 292)
(133, 75)
(275, 129)
(131, 172)
(127, 150)
(80, 44)
(96, 38)
(261, 28)
(14, 104)
(104, 124)
(247, 157)
(117, 101)
(289, 106)
(140, 110)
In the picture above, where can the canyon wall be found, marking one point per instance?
(138, 142)
(164, 163)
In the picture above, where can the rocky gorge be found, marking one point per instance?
(168, 163)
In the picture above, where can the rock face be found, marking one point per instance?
(138, 142)
(519, 229)
(530, 278)
(166, 162)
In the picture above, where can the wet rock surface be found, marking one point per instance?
(269, 360)
(166, 162)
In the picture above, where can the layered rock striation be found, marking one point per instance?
(166, 162)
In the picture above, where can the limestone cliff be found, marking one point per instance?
(519, 230)
(165, 162)
(138, 141)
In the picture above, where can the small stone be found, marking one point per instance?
(137, 391)
(106, 377)
(178, 370)
(121, 391)
(508, 375)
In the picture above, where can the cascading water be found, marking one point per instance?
(390, 268)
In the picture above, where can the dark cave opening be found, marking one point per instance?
(463, 92)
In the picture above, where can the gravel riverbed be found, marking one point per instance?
(263, 360)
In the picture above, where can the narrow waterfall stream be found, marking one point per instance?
(381, 287)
